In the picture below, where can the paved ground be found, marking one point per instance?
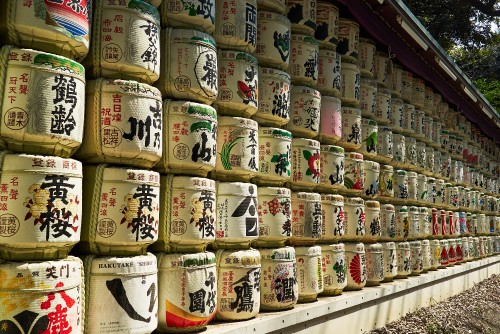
(473, 311)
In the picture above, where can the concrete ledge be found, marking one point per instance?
(372, 307)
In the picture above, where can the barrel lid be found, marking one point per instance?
(372, 165)
(128, 266)
(403, 245)
(194, 109)
(411, 140)
(308, 251)
(126, 87)
(388, 207)
(236, 189)
(439, 181)
(425, 243)
(372, 204)
(401, 172)
(422, 177)
(421, 143)
(411, 174)
(304, 39)
(443, 243)
(45, 61)
(435, 242)
(239, 122)
(139, 176)
(369, 82)
(353, 201)
(141, 6)
(398, 137)
(332, 149)
(304, 142)
(431, 180)
(423, 209)
(396, 101)
(275, 132)
(351, 111)
(374, 248)
(367, 121)
(195, 260)
(384, 91)
(351, 66)
(337, 248)
(329, 53)
(353, 247)
(306, 90)
(348, 21)
(401, 208)
(249, 258)
(32, 276)
(335, 199)
(189, 36)
(238, 56)
(268, 71)
(366, 40)
(419, 80)
(193, 183)
(449, 185)
(275, 16)
(386, 168)
(306, 196)
(389, 245)
(274, 191)
(333, 99)
(384, 129)
(278, 254)
(354, 156)
(415, 244)
(28, 163)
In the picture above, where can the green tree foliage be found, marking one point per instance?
(490, 89)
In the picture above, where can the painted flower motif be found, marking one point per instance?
(313, 162)
(355, 269)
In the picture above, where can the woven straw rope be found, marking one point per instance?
(94, 211)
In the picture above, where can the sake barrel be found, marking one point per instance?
(428, 101)
(426, 256)
(121, 210)
(274, 156)
(403, 253)
(371, 177)
(351, 128)
(387, 222)
(329, 77)
(380, 68)
(435, 254)
(368, 93)
(187, 291)
(198, 14)
(353, 174)
(237, 149)
(333, 224)
(236, 25)
(307, 218)
(386, 186)
(187, 214)
(429, 125)
(327, 28)
(273, 40)
(51, 188)
(42, 290)
(137, 28)
(424, 222)
(374, 264)
(400, 184)
(459, 255)
(431, 190)
(333, 264)
(445, 165)
(414, 223)
(411, 158)
(309, 273)
(436, 134)
(443, 222)
(417, 260)
(306, 163)
(190, 133)
(238, 284)
(452, 255)
(274, 97)
(155, 3)
(303, 67)
(402, 222)
(418, 93)
(397, 115)
(348, 45)
(278, 6)
(434, 216)
(366, 58)
(408, 119)
(237, 222)
(383, 106)
(355, 219)
(350, 88)
(407, 91)
(61, 27)
(356, 266)
(332, 168)
(440, 192)
(330, 125)
(384, 146)
(419, 124)
(124, 123)
(189, 66)
(372, 221)
(275, 216)
(412, 186)
(390, 261)
(53, 124)
(129, 287)
(278, 284)
(430, 163)
(451, 195)
(421, 188)
(305, 106)
(302, 15)
(369, 137)
(238, 93)
(437, 163)
(396, 81)
(435, 109)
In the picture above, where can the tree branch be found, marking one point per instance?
(487, 8)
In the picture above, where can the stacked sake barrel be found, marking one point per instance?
(42, 102)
